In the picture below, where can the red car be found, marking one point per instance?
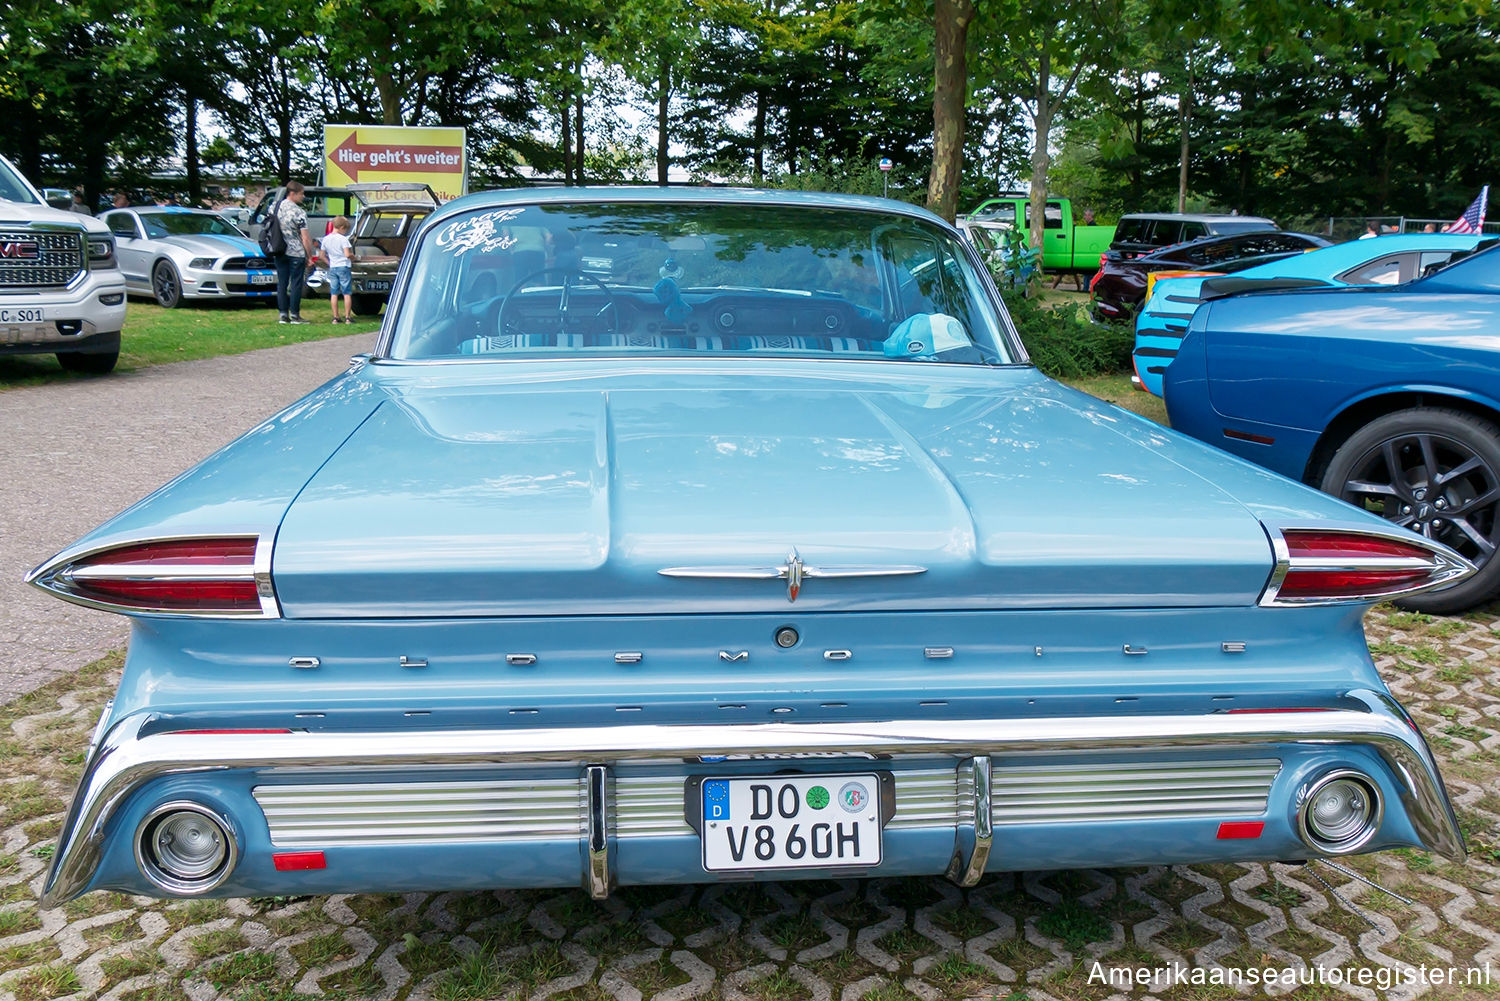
(1120, 286)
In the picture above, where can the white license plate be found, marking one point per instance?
(791, 822)
(36, 315)
(369, 286)
(262, 279)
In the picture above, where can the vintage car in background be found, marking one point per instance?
(61, 291)
(735, 538)
(173, 254)
(1391, 260)
(1119, 288)
(390, 213)
(1386, 396)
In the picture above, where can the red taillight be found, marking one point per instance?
(1322, 567)
(205, 576)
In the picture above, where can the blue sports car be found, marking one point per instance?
(1389, 260)
(679, 536)
(1388, 397)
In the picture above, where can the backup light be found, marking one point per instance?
(185, 848)
(1321, 567)
(1340, 812)
(218, 576)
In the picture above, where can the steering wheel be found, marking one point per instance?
(502, 319)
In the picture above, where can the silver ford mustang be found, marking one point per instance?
(173, 254)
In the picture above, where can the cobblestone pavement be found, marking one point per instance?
(78, 451)
(1034, 936)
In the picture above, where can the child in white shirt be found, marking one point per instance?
(338, 252)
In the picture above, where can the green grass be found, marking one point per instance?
(156, 336)
(1117, 389)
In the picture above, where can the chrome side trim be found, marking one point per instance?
(125, 761)
(973, 781)
(597, 876)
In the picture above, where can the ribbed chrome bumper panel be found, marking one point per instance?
(1060, 794)
(315, 816)
(126, 761)
(434, 812)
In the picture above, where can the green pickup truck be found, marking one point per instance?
(1066, 248)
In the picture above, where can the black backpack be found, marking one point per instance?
(272, 239)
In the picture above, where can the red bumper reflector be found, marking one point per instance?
(1232, 830)
(298, 861)
(1288, 709)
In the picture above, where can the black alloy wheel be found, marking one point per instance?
(365, 304)
(165, 285)
(1437, 473)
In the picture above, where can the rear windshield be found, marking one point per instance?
(694, 279)
(1226, 227)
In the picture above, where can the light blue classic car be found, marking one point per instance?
(1386, 260)
(683, 536)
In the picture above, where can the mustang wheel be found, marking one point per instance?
(165, 285)
(92, 364)
(1436, 472)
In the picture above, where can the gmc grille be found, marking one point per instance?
(31, 259)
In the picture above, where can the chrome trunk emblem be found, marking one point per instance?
(793, 571)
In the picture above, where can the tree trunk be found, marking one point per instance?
(578, 135)
(760, 136)
(567, 140)
(1041, 160)
(390, 99)
(1185, 119)
(190, 149)
(951, 20)
(663, 106)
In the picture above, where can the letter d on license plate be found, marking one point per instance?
(791, 822)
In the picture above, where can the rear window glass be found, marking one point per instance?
(1130, 230)
(694, 278)
(1384, 271)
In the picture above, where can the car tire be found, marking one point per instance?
(101, 363)
(1436, 471)
(367, 305)
(166, 285)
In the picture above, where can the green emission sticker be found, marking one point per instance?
(817, 797)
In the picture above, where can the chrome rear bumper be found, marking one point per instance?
(124, 762)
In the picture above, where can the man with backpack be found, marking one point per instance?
(285, 240)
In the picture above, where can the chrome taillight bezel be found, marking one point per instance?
(1444, 568)
(61, 577)
(1369, 827)
(179, 886)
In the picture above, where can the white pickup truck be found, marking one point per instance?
(61, 289)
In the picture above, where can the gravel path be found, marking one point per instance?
(75, 453)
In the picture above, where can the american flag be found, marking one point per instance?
(1472, 221)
